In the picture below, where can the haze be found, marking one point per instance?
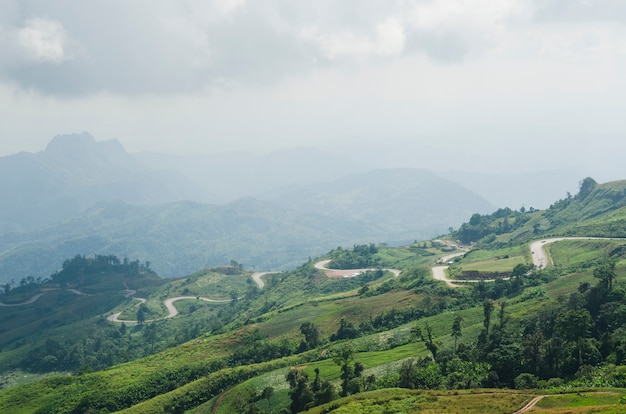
(507, 86)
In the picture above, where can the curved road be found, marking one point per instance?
(36, 297)
(439, 272)
(169, 304)
(537, 251)
(337, 273)
(256, 276)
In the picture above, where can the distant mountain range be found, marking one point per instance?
(80, 196)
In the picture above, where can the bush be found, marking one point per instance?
(525, 381)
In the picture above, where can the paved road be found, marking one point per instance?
(538, 251)
(257, 278)
(26, 302)
(36, 297)
(169, 304)
(439, 272)
(337, 273)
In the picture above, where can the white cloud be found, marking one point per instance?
(386, 39)
(43, 40)
(460, 15)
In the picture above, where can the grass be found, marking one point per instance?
(500, 260)
(430, 402)
(586, 402)
(580, 252)
(326, 311)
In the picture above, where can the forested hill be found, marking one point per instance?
(596, 210)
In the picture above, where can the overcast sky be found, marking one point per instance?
(526, 78)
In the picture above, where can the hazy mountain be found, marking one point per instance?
(73, 173)
(181, 238)
(505, 181)
(393, 206)
(408, 204)
(529, 189)
(228, 176)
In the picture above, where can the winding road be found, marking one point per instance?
(169, 304)
(347, 273)
(537, 251)
(256, 276)
(439, 272)
(36, 297)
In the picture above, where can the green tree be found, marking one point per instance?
(487, 311)
(349, 369)
(605, 272)
(430, 344)
(311, 334)
(141, 314)
(456, 330)
(299, 390)
(267, 394)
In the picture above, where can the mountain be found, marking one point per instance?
(408, 204)
(536, 189)
(180, 238)
(228, 176)
(73, 173)
(391, 206)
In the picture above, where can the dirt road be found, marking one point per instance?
(530, 405)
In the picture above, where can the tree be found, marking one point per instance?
(141, 314)
(349, 369)
(586, 187)
(574, 326)
(430, 344)
(311, 334)
(266, 394)
(300, 390)
(456, 329)
(234, 298)
(605, 272)
(346, 330)
(487, 310)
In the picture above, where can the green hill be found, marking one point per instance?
(378, 340)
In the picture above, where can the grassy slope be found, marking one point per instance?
(325, 311)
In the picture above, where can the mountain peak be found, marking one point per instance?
(70, 142)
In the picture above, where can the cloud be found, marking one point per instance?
(43, 41)
(387, 39)
(191, 46)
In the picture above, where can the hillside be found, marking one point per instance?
(309, 337)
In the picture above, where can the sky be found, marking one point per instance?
(530, 82)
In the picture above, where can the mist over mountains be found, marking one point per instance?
(82, 196)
